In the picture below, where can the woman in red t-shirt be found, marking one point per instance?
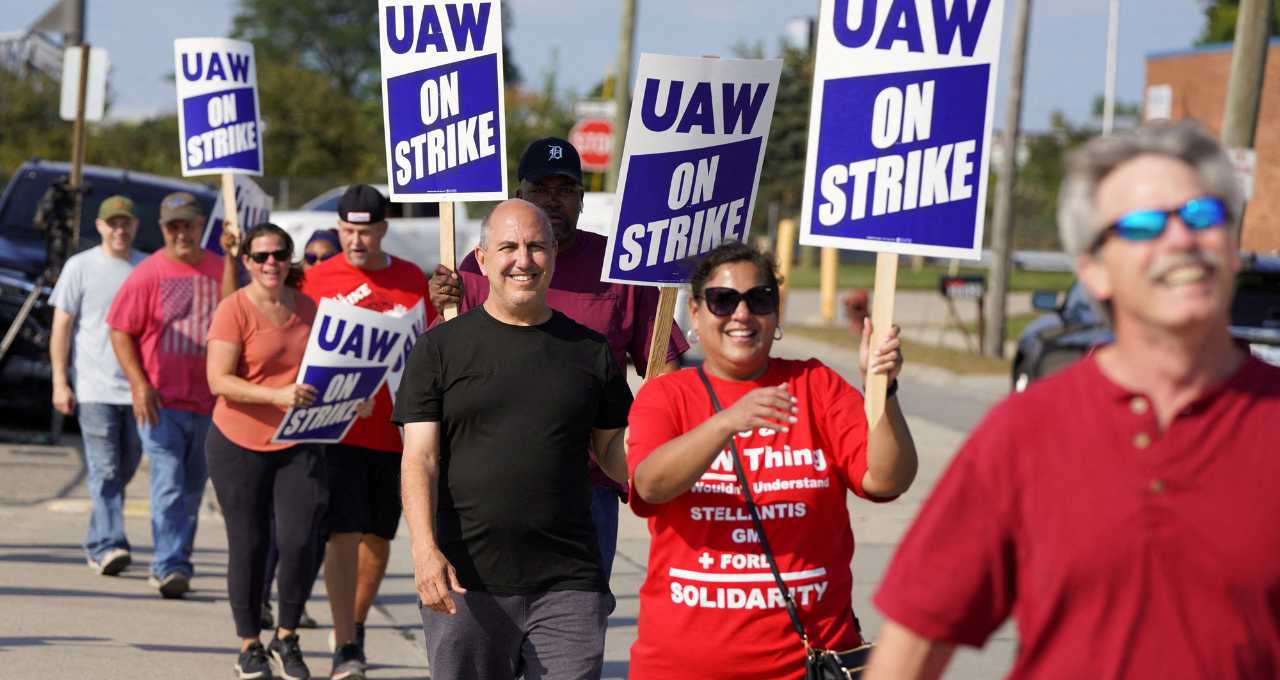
(709, 606)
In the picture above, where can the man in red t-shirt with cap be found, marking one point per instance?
(364, 469)
(1125, 510)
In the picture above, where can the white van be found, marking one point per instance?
(413, 229)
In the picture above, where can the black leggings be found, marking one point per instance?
(249, 484)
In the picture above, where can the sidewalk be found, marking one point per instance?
(63, 621)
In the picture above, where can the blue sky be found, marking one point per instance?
(1065, 67)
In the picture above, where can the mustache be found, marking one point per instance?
(1168, 263)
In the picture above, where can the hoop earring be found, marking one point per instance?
(777, 332)
(692, 336)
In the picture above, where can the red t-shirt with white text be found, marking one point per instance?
(709, 601)
(394, 290)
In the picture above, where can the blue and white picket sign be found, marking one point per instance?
(253, 206)
(691, 164)
(900, 126)
(442, 99)
(219, 129)
(348, 354)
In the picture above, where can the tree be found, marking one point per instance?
(1220, 21)
(782, 177)
(29, 122)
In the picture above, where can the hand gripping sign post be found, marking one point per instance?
(689, 171)
(349, 354)
(254, 208)
(442, 105)
(899, 135)
(219, 130)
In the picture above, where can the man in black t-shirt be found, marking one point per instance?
(496, 407)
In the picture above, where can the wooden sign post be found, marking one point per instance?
(661, 332)
(448, 257)
(230, 211)
(882, 298)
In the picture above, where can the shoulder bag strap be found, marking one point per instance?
(755, 520)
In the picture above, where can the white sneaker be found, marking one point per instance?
(112, 563)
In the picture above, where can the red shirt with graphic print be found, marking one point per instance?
(395, 290)
(167, 305)
(709, 601)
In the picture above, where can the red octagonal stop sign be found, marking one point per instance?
(593, 138)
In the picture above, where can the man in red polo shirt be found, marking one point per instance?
(364, 469)
(1126, 510)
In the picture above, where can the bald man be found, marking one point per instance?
(497, 408)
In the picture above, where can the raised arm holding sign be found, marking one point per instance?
(899, 135)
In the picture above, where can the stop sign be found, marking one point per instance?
(593, 138)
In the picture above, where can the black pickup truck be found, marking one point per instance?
(25, 390)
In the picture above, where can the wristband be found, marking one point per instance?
(892, 390)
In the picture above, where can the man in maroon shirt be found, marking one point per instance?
(1126, 510)
(550, 174)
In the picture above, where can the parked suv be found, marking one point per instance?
(1072, 327)
(24, 370)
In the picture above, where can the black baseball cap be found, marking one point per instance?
(550, 156)
(362, 204)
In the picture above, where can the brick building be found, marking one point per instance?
(1193, 84)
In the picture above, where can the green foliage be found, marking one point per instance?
(782, 178)
(29, 122)
(1220, 21)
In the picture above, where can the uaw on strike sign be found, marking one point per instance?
(218, 124)
(442, 100)
(691, 165)
(900, 126)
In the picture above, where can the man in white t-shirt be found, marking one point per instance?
(81, 298)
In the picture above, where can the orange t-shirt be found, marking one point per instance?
(269, 355)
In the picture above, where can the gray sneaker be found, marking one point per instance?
(112, 563)
(348, 663)
(252, 664)
(172, 586)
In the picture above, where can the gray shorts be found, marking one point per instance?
(556, 635)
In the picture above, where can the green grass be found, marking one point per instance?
(863, 276)
(954, 360)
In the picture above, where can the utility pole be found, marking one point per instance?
(1109, 96)
(622, 92)
(1248, 65)
(993, 332)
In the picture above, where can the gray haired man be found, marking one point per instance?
(1124, 509)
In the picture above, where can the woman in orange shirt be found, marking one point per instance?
(256, 342)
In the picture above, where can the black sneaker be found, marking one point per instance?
(174, 585)
(286, 659)
(268, 620)
(348, 663)
(252, 664)
(305, 621)
(112, 562)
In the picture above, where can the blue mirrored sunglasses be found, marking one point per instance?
(1145, 225)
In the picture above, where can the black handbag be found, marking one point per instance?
(820, 664)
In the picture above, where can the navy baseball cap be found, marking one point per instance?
(550, 156)
(362, 204)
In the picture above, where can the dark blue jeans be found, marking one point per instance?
(111, 454)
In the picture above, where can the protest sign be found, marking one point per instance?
(900, 126)
(253, 206)
(218, 126)
(690, 165)
(442, 99)
(348, 354)
(415, 323)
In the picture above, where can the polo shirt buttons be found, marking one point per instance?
(1138, 405)
(1142, 440)
(1156, 486)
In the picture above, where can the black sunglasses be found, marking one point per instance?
(281, 255)
(723, 301)
(312, 258)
